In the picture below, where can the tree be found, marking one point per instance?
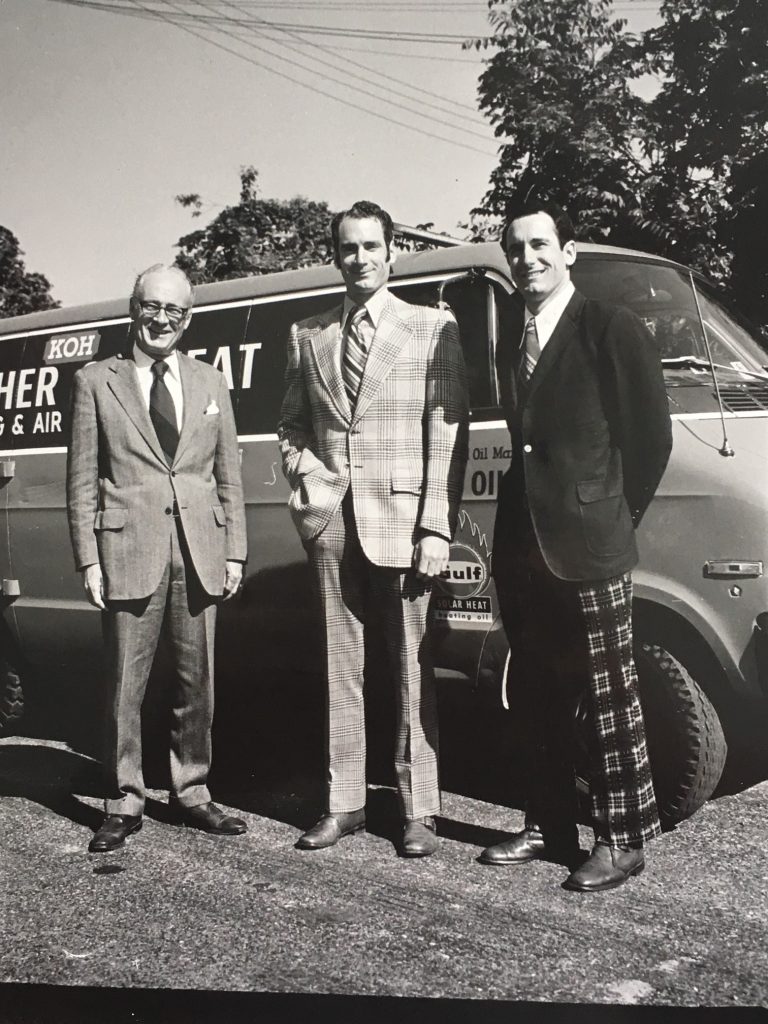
(20, 291)
(684, 174)
(257, 236)
(711, 114)
(557, 93)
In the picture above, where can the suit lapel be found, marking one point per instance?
(325, 342)
(195, 399)
(392, 334)
(124, 385)
(566, 330)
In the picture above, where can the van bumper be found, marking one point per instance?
(761, 650)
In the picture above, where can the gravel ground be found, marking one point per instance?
(180, 910)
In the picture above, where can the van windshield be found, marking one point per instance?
(663, 298)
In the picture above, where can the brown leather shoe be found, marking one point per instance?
(209, 818)
(113, 832)
(330, 829)
(606, 868)
(419, 838)
(522, 847)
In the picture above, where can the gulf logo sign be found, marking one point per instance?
(466, 574)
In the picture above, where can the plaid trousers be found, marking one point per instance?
(569, 639)
(350, 590)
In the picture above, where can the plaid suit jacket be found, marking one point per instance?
(402, 452)
(121, 490)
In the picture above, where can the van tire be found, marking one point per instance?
(686, 745)
(11, 701)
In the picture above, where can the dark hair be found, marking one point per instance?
(518, 208)
(362, 210)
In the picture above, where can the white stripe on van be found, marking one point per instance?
(485, 425)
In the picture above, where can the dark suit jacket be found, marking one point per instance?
(591, 436)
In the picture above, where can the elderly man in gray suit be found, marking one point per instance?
(373, 433)
(157, 523)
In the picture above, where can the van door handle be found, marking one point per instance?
(724, 568)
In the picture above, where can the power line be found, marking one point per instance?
(314, 89)
(367, 92)
(430, 38)
(153, 12)
(379, 74)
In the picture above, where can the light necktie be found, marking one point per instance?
(162, 411)
(355, 354)
(532, 349)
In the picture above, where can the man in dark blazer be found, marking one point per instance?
(583, 393)
(373, 434)
(157, 523)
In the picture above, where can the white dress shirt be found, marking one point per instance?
(547, 318)
(172, 378)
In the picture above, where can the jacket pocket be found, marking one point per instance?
(407, 479)
(597, 490)
(219, 515)
(605, 519)
(110, 519)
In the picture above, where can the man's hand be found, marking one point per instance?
(93, 582)
(430, 556)
(233, 579)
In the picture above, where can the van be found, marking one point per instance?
(701, 595)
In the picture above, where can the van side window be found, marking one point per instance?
(468, 300)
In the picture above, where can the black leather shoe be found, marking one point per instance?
(419, 839)
(606, 868)
(522, 847)
(330, 828)
(209, 818)
(113, 831)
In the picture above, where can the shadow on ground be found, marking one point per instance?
(268, 741)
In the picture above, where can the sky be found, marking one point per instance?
(105, 118)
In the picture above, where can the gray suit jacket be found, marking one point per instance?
(121, 490)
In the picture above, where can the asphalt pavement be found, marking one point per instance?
(180, 910)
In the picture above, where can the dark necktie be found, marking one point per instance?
(355, 354)
(532, 350)
(162, 411)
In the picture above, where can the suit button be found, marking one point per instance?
(527, 448)
(173, 472)
(169, 511)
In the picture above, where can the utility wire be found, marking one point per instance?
(340, 81)
(379, 74)
(305, 85)
(430, 38)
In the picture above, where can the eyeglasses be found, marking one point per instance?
(175, 314)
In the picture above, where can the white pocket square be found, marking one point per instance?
(211, 409)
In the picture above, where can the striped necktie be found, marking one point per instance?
(162, 411)
(532, 350)
(355, 353)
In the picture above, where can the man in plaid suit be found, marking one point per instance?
(585, 402)
(373, 434)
